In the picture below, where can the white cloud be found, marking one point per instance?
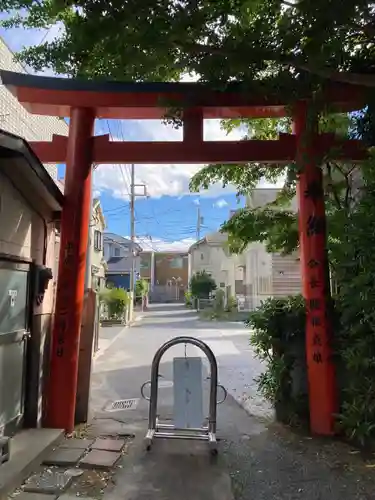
(161, 180)
(19, 38)
(168, 179)
(220, 203)
(160, 245)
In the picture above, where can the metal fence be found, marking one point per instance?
(166, 294)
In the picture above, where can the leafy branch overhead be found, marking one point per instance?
(278, 229)
(285, 46)
(276, 223)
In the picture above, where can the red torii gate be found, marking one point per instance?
(83, 101)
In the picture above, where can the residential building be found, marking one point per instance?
(118, 256)
(167, 272)
(210, 254)
(15, 119)
(147, 266)
(254, 275)
(96, 264)
(30, 208)
(170, 267)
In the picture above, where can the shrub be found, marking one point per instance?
(202, 284)
(219, 301)
(116, 300)
(188, 298)
(231, 304)
(278, 339)
(141, 288)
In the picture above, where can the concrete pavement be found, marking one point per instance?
(258, 459)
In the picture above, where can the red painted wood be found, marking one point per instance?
(191, 151)
(321, 372)
(148, 105)
(62, 384)
(193, 126)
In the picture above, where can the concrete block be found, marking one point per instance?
(108, 444)
(64, 457)
(47, 481)
(27, 449)
(99, 459)
(79, 444)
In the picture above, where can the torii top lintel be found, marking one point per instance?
(57, 96)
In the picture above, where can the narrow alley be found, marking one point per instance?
(258, 459)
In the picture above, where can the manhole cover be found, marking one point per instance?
(122, 404)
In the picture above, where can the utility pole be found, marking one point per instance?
(133, 194)
(132, 227)
(199, 222)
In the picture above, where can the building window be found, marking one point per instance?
(116, 252)
(176, 263)
(98, 241)
(202, 256)
(145, 264)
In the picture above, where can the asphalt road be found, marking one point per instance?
(264, 460)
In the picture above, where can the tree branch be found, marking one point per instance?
(363, 80)
(360, 79)
(331, 186)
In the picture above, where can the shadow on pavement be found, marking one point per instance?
(259, 459)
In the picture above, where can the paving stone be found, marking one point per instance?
(64, 457)
(47, 482)
(35, 496)
(79, 444)
(100, 459)
(108, 444)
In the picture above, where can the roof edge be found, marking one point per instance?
(19, 145)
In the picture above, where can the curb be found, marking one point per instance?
(99, 353)
(28, 449)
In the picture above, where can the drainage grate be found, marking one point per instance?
(122, 404)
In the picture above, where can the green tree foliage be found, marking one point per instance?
(202, 284)
(354, 271)
(276, 41)
(276, 224)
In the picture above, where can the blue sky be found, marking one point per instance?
(167, 219)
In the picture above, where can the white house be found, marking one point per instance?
(96, 264)
(268, 274)
(254, 275)
(210, 254)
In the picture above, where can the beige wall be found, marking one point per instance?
(164, 272)
(15, 119)
(213, 259)
(22, 235)
(96, 256)
(286, 275)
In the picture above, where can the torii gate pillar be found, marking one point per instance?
(315, 278)
(62, 383)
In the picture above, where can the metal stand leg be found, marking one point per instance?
(149, 438)
(163, 430)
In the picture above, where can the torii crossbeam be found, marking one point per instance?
(83, 101)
